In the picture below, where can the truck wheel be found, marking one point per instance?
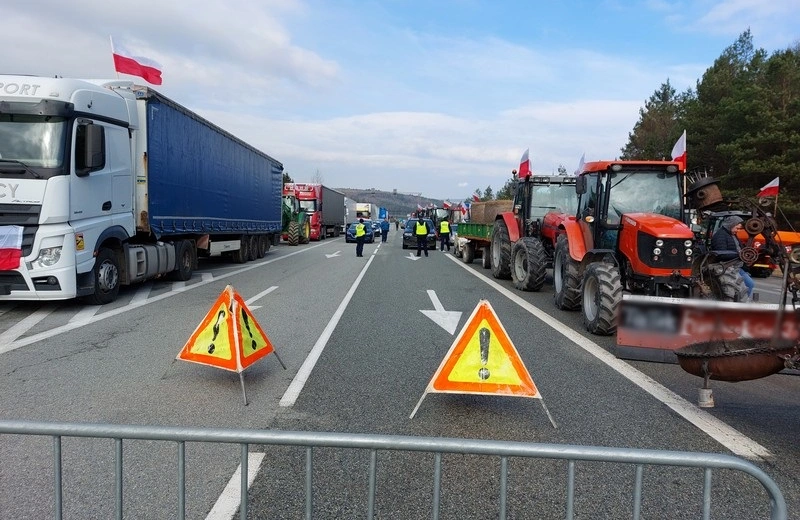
(306, 233)
(501, 251)
(241, 255)
(293, 233)
(486, 257)
(602, 292)
(263, 245)
(106, 278)
(252, 248)
(729, 286)
(468, 253)
(528, 264)
(184, 261)
(566, 277)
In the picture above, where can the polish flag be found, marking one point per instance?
(464, 209)
(127, 62)
(10, 247)
(475, 197)
(679, 151)
(770, 189)
(525, 165)
(446, 204)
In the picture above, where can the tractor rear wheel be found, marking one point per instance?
(602, 292)
(566, 277)
(528, 264)
(293, 233)
(501, 251)
(730, 287)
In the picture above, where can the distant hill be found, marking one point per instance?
(398, 204)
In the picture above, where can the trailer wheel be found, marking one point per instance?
(106, 277)
(184, 261)
(241, 255)
(305, 236)
(602, 292)
(528, 264)
(252, 248)
(486, 257)
(263, 245)
(293, 233)
(566, 277)
(501, 251)
(468, 252)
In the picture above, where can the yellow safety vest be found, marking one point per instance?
(360, 230)
(421, 229)
(445, 227)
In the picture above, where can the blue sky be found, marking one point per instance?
(439, 96)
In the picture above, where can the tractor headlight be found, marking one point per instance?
(687, 243)
(657, 250)
(688, 252)
(659, 243)
(48, 256)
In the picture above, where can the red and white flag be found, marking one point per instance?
(10, 247)
(128, 62)
(679, 151)
(525, 165)
(464, 209)
(446, 204)
(475, 197)
(770, 189)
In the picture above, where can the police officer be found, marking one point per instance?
(361, 231)
(444, 234)
(421, 232)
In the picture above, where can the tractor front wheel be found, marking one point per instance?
(602, 292)
(528, 264)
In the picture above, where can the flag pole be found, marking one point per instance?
(111, 41)
(775, 211)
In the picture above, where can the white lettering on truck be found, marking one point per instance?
(11, 188)
(23, 89)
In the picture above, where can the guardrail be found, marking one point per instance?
(374, 443)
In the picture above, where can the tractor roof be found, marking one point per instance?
(599, 166)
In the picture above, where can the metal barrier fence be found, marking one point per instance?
(436, 445)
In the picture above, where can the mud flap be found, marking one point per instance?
(651, 328)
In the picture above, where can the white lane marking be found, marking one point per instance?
(178, 286)
(299, 381)
(723, 433)
(230, 499)
(142, 293)
(207, 277)
(448, 320)
(72, 326)
(85, 314)
(8, 337)
(259, 296)
(332, 255)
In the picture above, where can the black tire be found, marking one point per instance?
(602, 293)
(241, 255)
(106, 273)
(263, 245)
(252, 248)
(501, 251)
(729, 286)
(528, 264)
(468, 253)
(184, 261)
(486, 257)
(566, 278)
(293, 233)
(305, 233)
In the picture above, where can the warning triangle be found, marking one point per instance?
(228, 337)
(483, 360)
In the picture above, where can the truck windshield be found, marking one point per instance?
(554, 197)
(308, 206)
(35, 141)
(644, 192)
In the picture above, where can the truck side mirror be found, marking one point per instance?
(90, 149)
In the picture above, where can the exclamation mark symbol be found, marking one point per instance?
(216, 330)
(483, 336)
(247, 326)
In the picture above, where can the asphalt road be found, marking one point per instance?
(375, 354)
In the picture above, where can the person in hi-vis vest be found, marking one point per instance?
(361, 231)
(421, 232)
(444, 234)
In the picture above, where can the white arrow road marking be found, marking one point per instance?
(258, 297)
(448, 320)
(412, 256)
(337, 253)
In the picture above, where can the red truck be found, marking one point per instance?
(323, 206)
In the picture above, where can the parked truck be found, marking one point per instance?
(114, 183)
(324, 208)
(366, 210)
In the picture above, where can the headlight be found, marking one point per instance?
(687, 243)
(688, 252)
(657, 250)
(659, 242)
(48, 257)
